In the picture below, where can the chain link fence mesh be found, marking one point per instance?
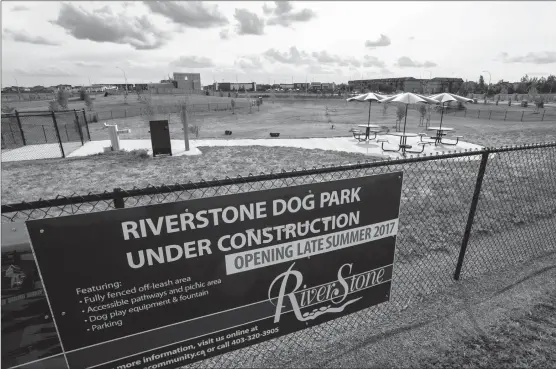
(42, 135)
(518, 196)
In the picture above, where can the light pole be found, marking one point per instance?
(489, 78)
(125, 79)
(17, 85)
(430, 77)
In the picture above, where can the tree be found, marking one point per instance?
(481, 86)
(400, 112)
(82, 94)
(423, 113)
(88, 102)
(62, 98)
(138, 91)
(384, 109)
(550, 81)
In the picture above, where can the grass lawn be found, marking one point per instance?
(32, 180)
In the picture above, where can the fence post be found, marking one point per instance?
(522, 112)
(542, 118)
(471, 216)
(78, 126)
(86, 124)
(20, 128)
(505, 115)
(44, 131)
(489, 114)
(479, 113)
(465, 113)
(58, 134)
(118, 199)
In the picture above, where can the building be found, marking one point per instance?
(287, 86)
(188, 81)
(315, 86)
(162, 84)
(235, 86)
(408, 84)
(301, 86)
(444, 84)
(328, 87)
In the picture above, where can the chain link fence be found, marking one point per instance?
(42, 135)
(136, 111)
(499, 204)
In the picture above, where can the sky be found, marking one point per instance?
(81, 42)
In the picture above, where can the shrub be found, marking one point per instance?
(82, 94)
(7, 109)
(149, 110)
(384, 109)
(233, 103)
(53, 105)
(95, 118)
(400, 112)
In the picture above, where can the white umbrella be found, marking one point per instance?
(370, 97)
(447, 97)
(408, 98)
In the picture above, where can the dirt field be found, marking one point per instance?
(308, 119)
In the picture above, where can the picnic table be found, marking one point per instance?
(369, 128)
(403, 146)
(440, 133)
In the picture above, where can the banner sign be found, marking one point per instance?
(166, 285)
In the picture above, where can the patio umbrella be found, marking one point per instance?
(370, 97)
(447, 97)
(408, 98)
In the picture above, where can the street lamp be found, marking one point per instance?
(430, 77)
(489, 78)
(125, 79)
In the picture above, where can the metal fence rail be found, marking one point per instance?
(40, 135)
(458, 211)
